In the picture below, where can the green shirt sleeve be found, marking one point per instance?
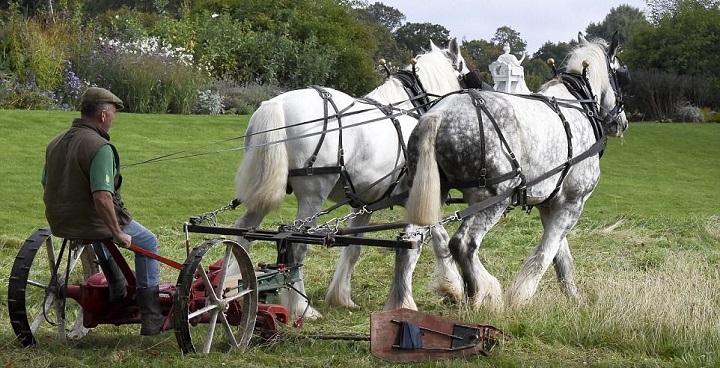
(43, 180)
(102, 170)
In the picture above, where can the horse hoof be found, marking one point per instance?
(310, 315)
(448, 290)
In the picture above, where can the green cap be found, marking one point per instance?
(99, 95)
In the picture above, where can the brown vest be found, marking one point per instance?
(69, 205)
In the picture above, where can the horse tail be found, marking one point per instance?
(424, 205)
(261, 178)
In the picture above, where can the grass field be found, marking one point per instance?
(647, 253)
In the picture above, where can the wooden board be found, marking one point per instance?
(442, 338)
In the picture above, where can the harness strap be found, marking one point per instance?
(414, 88)
(596, 148)
(579, 87)
(340, 168)
(520, 191)
(386, 200)
(568, 133)
(483, 181)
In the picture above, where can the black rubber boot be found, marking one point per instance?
(151, 318)
(115, 278)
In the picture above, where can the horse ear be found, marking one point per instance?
(614, 44)
(433, 47)
(454, 48)
(581, 39)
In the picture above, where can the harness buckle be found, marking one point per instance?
(478, 101)
(482, 180)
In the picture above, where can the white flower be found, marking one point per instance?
(215, 15)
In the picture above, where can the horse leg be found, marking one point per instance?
(448, 282)
(248, 220)
(338, 294)
(481, 288)
(311, 193)
(401, 287)
(563, 264)
(557, 222)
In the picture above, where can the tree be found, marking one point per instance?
(658, 9)
(683, 43)
(686, 41)
(416, 36)
(557, 51)
(388, 16)
(510, 36)
(381, 20)
(624, 18)
(479, 54)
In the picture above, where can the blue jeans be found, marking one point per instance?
(147, 270)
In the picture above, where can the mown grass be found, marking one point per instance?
(646, 251)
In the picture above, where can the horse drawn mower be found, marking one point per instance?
(56, 286)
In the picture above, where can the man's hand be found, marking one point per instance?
(122, 240)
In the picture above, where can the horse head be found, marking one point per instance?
(444, 70)
(608, 80)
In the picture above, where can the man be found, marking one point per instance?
(82, 201)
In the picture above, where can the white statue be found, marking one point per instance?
(509, 58)
(508, 74)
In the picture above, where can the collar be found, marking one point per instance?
(87, 124)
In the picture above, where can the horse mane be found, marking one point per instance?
(437, 73)
(595, 53)
(434, 71)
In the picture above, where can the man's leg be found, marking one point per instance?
(117, 284)
(147, 272)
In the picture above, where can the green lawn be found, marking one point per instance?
(646, 252)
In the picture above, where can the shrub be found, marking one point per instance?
(148, 77)
(685, 112)
(209, 102)
(71, 89)
(34, 51)
(243, 99)
(16, 94)
(656, 94)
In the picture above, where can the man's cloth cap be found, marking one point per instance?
(99, 95)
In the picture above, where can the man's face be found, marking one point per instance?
(107, 115)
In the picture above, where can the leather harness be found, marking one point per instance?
(580, 88)
(420, 101)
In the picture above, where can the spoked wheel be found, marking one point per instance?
(36, 290)
(216, 298)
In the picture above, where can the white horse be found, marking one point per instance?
(500, 149)
(361, 160)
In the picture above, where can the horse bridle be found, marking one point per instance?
(618, 77)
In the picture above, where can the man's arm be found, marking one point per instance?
(102, 171)
(106, 209)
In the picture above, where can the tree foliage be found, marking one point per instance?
(507, 35)
(295, 43)
(684, 40)
(416, 36)
(388, 16)
(625, 18)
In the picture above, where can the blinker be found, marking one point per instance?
(623, 76)
(472, 80)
